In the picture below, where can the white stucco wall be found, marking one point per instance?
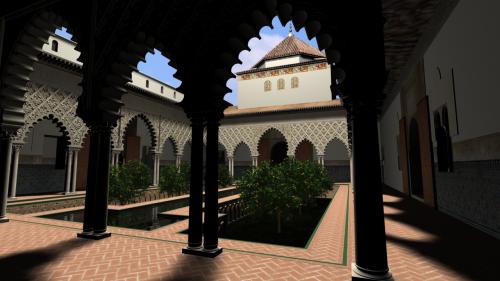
(468, 43)
(155, 86)
(313, 86)
(284, 61)
(37, 146)
(55, 77)
(66, 48)
(389, 131)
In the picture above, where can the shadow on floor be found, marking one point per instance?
(458, 246)
(26, 266)
(193, 268)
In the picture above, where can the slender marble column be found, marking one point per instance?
(156, 168)
(178, 160)
(211, 226)
(255, 161)
(230, 161)
(69, 165)
(75, 170)
(15, 165)
(5, 163)
(321, 159)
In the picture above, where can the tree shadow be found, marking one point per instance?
(458, 246)
(25, 266)
(193, 268)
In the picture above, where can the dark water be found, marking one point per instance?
(144, 218)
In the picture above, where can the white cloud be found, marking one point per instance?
(258, 49)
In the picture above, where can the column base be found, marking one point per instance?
(4, 220)
(93, 236)
(359, 274)
(202, 252)
(13, 198)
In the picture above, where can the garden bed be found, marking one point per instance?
(297, 228)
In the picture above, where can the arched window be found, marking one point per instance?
(55, 45)
(295, 82)
(175, 94)
(281, 84)
(267, 86)
(147, 83)
(161, 89)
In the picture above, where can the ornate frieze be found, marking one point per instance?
(283, 71)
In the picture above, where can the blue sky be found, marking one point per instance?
(156, 64)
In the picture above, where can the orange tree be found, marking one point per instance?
(278, 189)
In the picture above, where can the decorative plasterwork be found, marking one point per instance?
(46, 102)
(319, 133)
(283, 71)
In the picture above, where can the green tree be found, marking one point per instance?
(173, 180)
(127, 181)
(278, 189)
(224, 178)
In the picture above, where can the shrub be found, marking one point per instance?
(280, 188)
(127, 181)
(173, 180)
(224, 178)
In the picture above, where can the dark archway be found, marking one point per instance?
(305, 151)
(278, 152)
(415, 161)
(273, 146)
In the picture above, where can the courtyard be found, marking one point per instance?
(438, 248)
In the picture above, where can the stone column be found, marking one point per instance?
(5, 163)
(15, 165)
(69, 165)
(255, 161)
(321, 159)
(211, 225)
(230, 160)
(196, 187)
(371, 253)
(178, 160)
(156, 168)
(96, 196)
(75, 169)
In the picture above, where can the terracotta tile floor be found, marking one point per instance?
(422, 245)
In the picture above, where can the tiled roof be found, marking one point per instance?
(291, 46)
(330, 104)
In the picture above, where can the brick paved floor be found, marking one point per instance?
(422, 245)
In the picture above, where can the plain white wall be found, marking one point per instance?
(313, 86)
(469, 42)
(389, 131)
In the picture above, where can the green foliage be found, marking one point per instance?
(280, 188)
(224, 178)
(128, 181)
(174, 180)
(138, 173)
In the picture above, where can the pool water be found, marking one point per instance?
(144, 218)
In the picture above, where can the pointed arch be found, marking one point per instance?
(305, 141)
(23, 53)
(149, 125)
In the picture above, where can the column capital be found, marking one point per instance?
(17, 146)
(74, 148)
